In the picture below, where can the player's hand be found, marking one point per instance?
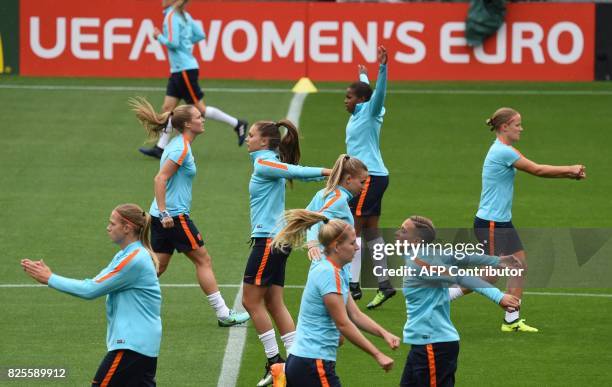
(382, 55)
(391, 340)
(362, 70)
(510, 261)
(510, 302)
(156, 32)
(314, 253)
(578, 172)
(37, 270)
(384, 361)
(167, 222)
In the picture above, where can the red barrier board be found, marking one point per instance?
(325, 41)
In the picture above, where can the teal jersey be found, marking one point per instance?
(178, 187)
(363, 128)
(334, 205)
(498, 183)
(427, 299)
(179, 34)
(133, 299)
(316, 333)
(267, 190)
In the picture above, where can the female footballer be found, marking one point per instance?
(346, 180)
(133, 302)
(172, 228)
(275, 160)
(363, 142)
(432, 360)
(327, 311)
(493, 222)
(180, 33)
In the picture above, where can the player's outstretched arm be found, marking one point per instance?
(365, 323)
(577, 172)
(378, 96)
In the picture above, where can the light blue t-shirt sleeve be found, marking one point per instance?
(171, 33)
(505, 155)
(378, 96)
(112, 278)
(364, 78)
(328, 281)
(277, 169)
(197, 33)
(178, 155)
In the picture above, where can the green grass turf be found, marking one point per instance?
(68, 157)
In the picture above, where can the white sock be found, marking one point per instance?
(356, 263)
(511, 316)
(164, 139)
(217, 302)
(287, 339)
(215, 114)
(268, 339)
(379, 263)
(455, 292)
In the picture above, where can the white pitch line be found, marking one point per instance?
(326, 91)
(560, 294)
(230, 366)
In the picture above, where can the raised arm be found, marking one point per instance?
(378, 96)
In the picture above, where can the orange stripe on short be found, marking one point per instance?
(192, 240)
(321, 372)
(431, 360)
(119, 267)
(112, 369)
(491, 237)
(185, 150)
(264, 260)
(191, 92)
(332, 201)
(362, 197)
(272, 164)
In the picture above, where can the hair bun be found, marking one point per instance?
(326, 220)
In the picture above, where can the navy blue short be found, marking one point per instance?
(126, 368)
(266, 266)
(306, 372)
(369, 201)
(499, 238)
(183, 237)
(184, 85)
(431, 365)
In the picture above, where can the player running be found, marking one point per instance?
(172, 227)
(493, 222)
(432, 360)
(133, 302)
(180, 33)
(275, 160)
(327, 312)
(363, 142)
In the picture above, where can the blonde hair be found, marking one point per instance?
(141, 221)
(155, 123)
(500, 117)
(344, 165)
(298, 221)
(424, 227)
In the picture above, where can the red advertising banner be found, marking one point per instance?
(324, 41)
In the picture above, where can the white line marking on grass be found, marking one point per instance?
(233, 350)
(560, 294)
(295, 108)
(330, 90)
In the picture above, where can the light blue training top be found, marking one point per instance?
(179, 34)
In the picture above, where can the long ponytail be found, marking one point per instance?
(344, 165)
(134, 215)
(298, 221)
(156, 123)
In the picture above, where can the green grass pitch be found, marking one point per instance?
(69, 156)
